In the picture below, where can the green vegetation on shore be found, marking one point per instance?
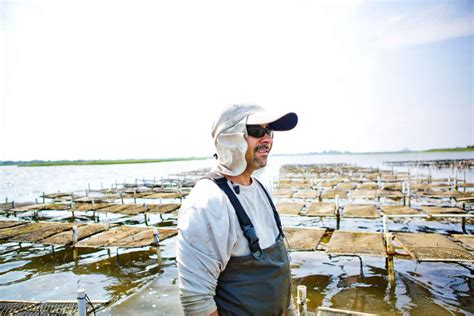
(435, 150)
(47, 163)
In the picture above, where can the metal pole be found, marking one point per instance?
(81, 302)
(301, 300)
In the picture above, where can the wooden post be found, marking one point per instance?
(463, 219)
(390, 270)
(74, 235)
(72, 201)
(117, 255)
(455, 178)
(121, 197)
(156, 236)
(404, 193)
(320, 196)
(390, 251)
(44, 201)
(464, 171)
(301, 300)
(408, 195)
(75, 255)
(145, 210)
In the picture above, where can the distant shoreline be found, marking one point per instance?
(436, 150)
(48, 163)
(96, 162)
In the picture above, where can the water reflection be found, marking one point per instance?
(106, 274)
(419, 288)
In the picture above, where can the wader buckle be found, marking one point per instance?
(251, 235)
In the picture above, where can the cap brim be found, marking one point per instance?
(277, 122)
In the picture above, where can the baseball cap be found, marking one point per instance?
(276, 121)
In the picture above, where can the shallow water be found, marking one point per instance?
(419, 289)
(137, 283)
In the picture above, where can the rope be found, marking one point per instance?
(88, 300)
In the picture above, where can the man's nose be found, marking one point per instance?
(267, 139)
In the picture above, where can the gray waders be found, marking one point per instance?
(257, 284)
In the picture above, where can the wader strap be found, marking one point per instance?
(275, 213)
(244, 221)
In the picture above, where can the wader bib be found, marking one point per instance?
(257, 284)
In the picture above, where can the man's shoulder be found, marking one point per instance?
(205, 194)
(206, 185)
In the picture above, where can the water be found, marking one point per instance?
(136, 283)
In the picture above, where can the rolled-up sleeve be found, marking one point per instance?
(206, 237)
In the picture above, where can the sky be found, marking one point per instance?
(100, 79)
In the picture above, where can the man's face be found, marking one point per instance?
(258, 150)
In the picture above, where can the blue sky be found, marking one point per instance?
(114, 79)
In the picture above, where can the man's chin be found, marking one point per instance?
(261, 162)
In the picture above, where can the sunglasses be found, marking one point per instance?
(257, 131)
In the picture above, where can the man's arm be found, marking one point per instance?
(205, 242)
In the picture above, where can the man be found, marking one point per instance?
(231, 256)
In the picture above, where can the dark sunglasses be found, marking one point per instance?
(258, 131)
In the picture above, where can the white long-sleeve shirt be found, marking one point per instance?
(209, 234)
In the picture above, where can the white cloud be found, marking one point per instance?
(425, 25)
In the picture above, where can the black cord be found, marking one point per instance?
(88, 300)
